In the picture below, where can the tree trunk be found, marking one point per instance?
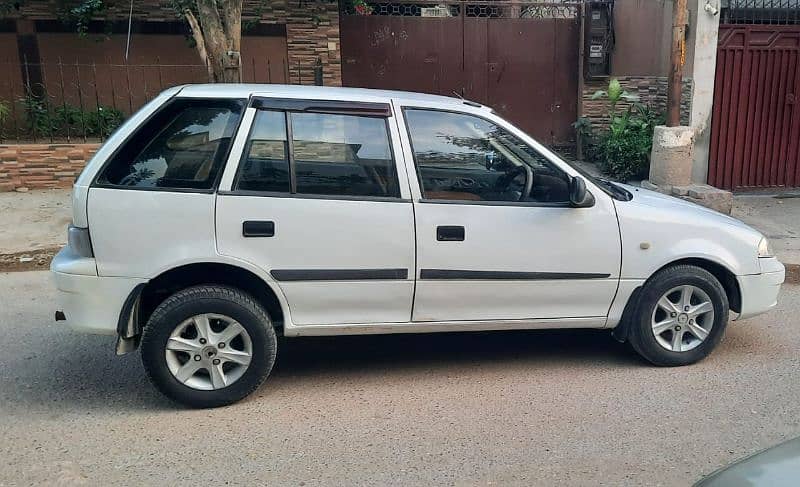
(217, 31)
(677, 58)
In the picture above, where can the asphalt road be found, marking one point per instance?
(532, 408)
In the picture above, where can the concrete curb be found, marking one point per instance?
(39, 260)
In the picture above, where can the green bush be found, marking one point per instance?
(45, 119)
(623, 150)
(103, 121)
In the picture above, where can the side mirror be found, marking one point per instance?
(579, 196)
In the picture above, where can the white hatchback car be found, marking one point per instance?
(219, 216)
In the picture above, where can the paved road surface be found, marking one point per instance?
(534, 408)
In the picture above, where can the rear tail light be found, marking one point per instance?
(79, 241)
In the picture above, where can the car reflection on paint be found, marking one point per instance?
(774, 467)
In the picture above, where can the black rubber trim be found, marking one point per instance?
(285, 275)
(127, 309)
(620, 332)
(446, 274)
(497, 203)
(335, 107)
(334, 197)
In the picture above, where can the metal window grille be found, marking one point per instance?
(541, 9)
(774, 12)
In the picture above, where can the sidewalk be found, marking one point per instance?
(34, 226)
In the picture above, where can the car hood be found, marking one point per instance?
(654, 199)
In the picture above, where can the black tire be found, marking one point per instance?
(208, 299)
(641, 334)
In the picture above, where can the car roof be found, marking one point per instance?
(236, 90)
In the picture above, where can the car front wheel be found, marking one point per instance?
(208, 346)
(681, 316)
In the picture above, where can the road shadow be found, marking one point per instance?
(82, 371)
(308, 356)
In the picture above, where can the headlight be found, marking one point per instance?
(764, 248)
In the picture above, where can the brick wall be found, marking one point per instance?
(313, 32)
(652, 91)
(40, 166)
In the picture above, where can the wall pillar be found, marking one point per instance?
(703, 33)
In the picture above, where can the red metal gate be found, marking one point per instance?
(755, 133)
(519, 58)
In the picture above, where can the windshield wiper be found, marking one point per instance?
(620, 193)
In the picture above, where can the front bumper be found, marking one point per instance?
(88, 303)
(760, 291)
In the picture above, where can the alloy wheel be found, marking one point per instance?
(682, 318)
(208, 351)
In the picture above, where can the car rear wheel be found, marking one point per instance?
(208, 346)
(681, 316)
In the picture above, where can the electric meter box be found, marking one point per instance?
(599, 38)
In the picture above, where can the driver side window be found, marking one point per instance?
(466, 158)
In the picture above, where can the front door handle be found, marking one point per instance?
(255, 228)
(450, 233)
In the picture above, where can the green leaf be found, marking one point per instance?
(599, 94)
(614, 90)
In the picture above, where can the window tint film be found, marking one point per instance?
(342, 155)
(464, 157)
(183, 146)
(265, 166)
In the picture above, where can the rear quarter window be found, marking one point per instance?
(183, 146)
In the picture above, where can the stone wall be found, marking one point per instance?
(652, 91)
(41, 166)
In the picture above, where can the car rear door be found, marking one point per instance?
(317, 201)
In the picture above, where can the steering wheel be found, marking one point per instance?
(504, 181)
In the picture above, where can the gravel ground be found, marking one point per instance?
(34, 220)
(517, 408)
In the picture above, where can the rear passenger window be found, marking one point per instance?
(182, 146)
(330, 154)
(342, 155)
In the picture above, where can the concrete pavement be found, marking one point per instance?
(777, 217)
(532, 408)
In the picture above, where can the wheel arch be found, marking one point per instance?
(724, 275)
(146, 298)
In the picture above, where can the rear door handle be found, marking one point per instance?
(450, 233)
(256, 228)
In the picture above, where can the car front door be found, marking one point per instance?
(497, 238)
(317, 201)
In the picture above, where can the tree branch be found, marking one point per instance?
(197, 34)
(214, 35)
